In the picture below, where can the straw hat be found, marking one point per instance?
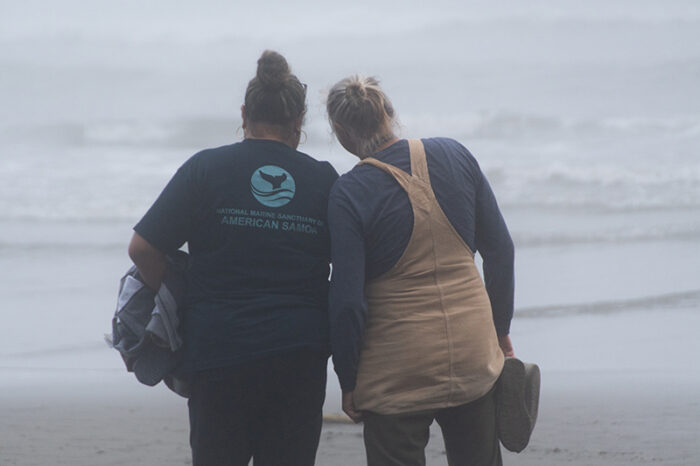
(517, 400)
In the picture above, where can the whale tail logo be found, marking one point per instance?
(272, 186)
(275, 181)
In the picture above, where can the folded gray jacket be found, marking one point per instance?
(145, 326)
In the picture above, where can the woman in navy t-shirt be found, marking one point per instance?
(253, 215)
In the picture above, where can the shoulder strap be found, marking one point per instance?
(419, 164)
(399, 175)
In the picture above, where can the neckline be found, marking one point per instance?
(267, 141)
(385, 152)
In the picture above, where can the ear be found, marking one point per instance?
(243, 117)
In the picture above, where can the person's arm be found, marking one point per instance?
(495, 246)
(165, 227)
(347, 304)
(506, 346)
(149, 260)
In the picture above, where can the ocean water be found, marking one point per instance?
(585, 117)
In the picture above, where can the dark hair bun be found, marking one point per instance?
(273, 69)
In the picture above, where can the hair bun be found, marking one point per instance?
(273, 69)
(356, 90)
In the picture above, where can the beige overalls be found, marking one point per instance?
(430, 341)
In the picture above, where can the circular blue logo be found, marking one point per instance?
(272, 186)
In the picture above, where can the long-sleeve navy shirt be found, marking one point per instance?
(371, 220)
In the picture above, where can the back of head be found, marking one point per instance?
(359, 108)
(274, 96)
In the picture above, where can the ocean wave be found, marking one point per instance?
(522, 239)
(681, 300)
(651, 234)
(624, 184)
(610, 175)
(55, 351)
(191, 132)
(482, 125)
(530, 161)
(499, 125)
(23, 247)
(603, 205)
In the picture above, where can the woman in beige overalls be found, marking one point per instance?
(415, 337)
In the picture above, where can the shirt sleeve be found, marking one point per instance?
(168, 223)
(347, 304)
(333, 174)
(495, 246)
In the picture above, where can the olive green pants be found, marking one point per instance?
(469, 432)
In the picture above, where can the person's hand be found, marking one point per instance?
(506, 346)
(349, 408)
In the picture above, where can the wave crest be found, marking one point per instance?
(685, 299)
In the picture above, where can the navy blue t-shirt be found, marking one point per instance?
(254, 217)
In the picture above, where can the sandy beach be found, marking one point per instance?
(598, 424)
(645, 412)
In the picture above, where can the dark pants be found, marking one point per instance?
(469, 432)
(269, 410)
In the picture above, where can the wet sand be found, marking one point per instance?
(623, 389)
(601, 418)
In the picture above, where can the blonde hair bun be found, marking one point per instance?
(356, 90)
